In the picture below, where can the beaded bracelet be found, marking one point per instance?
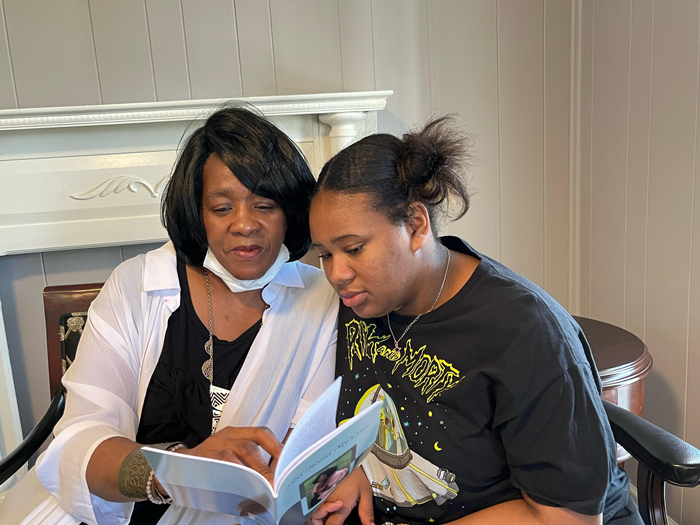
(160, 500)
(152, 488)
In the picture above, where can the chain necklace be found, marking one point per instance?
(208, 366)
(388, 322)
(217, 395)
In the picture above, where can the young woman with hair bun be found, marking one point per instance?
(491, 399)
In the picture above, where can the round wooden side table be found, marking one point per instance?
(623, 362)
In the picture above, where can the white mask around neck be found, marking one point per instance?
(212, 264)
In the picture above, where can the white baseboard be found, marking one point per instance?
(633, 493)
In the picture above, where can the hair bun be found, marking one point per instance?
(430, 163)
(425, 166)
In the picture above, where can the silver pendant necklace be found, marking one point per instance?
(388, 322)
(217, 395)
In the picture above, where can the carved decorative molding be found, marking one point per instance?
(111, 114)
(116, 185)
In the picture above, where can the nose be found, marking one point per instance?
(243, 221)
(338, 272)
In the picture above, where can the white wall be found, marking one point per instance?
(640, 242)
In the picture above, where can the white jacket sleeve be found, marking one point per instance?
(102, 397)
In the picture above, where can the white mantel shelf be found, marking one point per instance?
(188, 110)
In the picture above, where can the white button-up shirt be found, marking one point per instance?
(290, 363)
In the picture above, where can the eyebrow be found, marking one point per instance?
(228, 192)
(221, 192)
(336, 239)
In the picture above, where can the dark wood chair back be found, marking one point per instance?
(65, 310)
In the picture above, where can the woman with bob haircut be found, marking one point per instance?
(491, 398)
(223, 311)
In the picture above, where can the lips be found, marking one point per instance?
(250, 251)
(353, 299)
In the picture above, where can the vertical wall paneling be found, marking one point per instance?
(673, 123)
(609, 160)
(167, 39)
(356, 46)
(399, 29)
(575, 51)
(469, 30)
(641, 32)
(520, 42)
(8, 97)
(307, 46)
(671, 171)
(53, 57)
(586, 108)
(80, 266)
(640, 73)
(212, 48)
(255, 44)
(638, 164)
(691, 503)
(123, 51)
(21, 292)
(557, 72)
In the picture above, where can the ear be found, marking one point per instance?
(418, 225)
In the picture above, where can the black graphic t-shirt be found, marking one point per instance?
(492, 393)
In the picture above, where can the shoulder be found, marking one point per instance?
(152, 271)
(119, 303)
(523, 323)
(306, 289)
(311, 275)
(501, 295)
(520, 301)
(127, 278)
(130, 270)
(314, 281)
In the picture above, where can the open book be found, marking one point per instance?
(315, 459)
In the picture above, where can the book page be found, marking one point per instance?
(315, 424)
(213, 485)
(310, 479)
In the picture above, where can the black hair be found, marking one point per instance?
(262, 158)
(328, 472)
(425, 165)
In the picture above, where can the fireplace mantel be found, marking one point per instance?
(78, 177)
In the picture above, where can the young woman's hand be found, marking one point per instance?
(354, 490)
(240, 445)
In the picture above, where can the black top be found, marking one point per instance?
(177, 406)
(494, 392)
